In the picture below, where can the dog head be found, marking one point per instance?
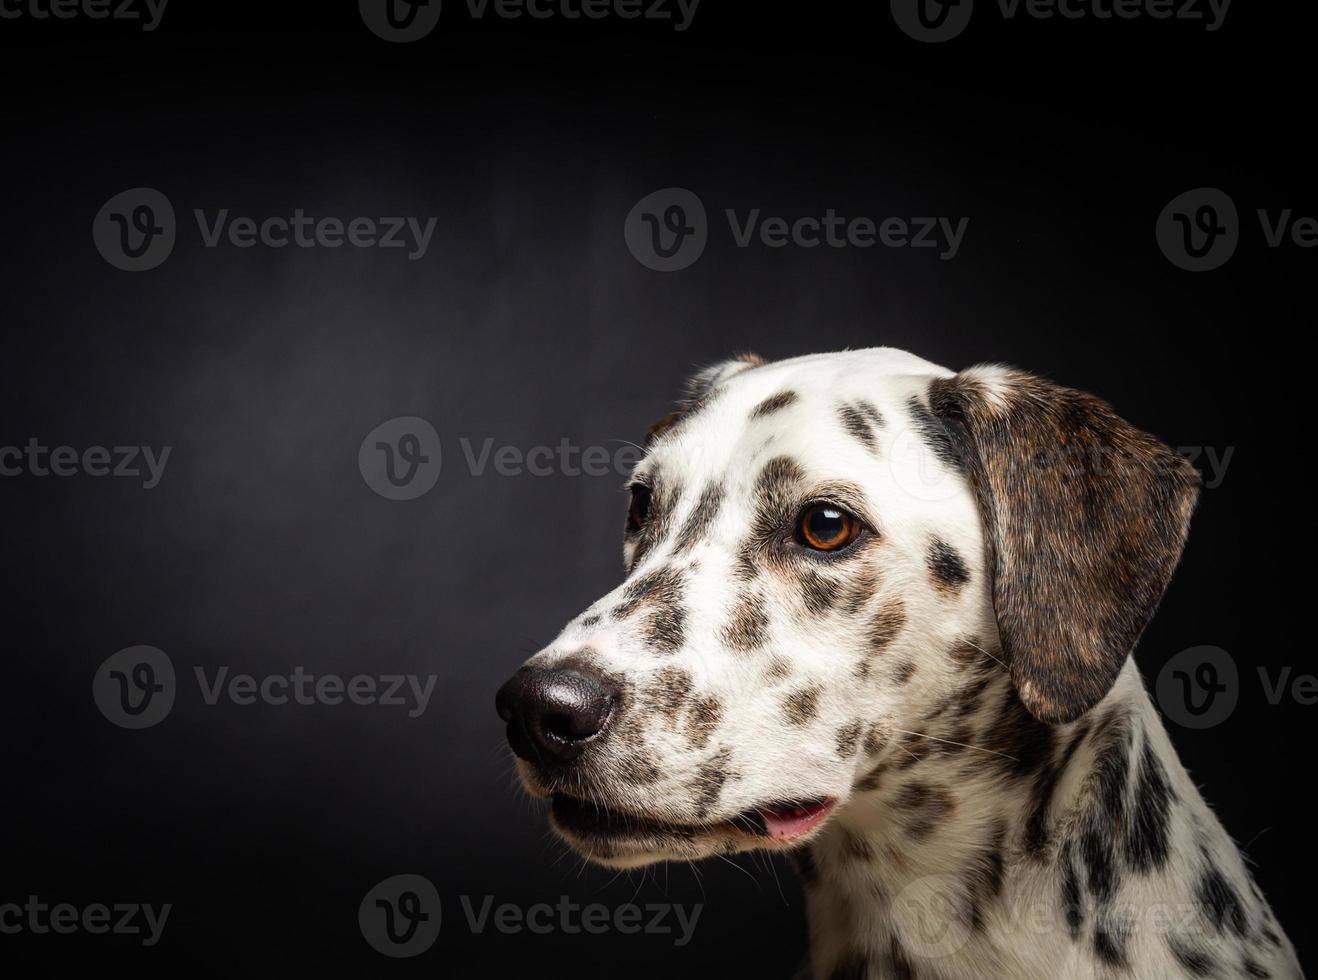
(819, 553)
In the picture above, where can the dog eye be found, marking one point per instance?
(639, 509)
(824, 527)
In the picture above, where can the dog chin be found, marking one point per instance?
(623, 840)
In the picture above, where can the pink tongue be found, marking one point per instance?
(783, 823)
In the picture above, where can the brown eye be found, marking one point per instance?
(639, 510)
(827, 528)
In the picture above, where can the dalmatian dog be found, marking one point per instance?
(879, 615)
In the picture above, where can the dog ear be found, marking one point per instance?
(699, 387)
(1085, 517)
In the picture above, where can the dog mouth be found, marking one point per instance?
(781, 823)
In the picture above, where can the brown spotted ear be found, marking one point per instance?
(699, 387)
(1085, 517)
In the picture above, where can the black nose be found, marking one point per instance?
(552, 714)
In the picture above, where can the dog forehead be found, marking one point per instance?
(823, 410)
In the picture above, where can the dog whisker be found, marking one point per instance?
(948, 741)
(972, 643)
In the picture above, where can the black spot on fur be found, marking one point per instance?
(870, 781)
(660, 586)
(873, 740)
(915, 750)
(591, 620)
(665, 630)
(1112, 774)
(776, 493)
(933, 432)
(924, 808)
(1253, 968)
(1102, 825)
(801, 706)
(1045, 787)
(1099, 859)
(860, 591)
(702, 720)
(748, 629)
(1024, 744)
(1220, 902)
(947, 567)
(775, 403)
(847, 738)
(855, 847)
(710, 780)
(1110, 939)
(857, 425)
(883, 629)
(670, 692)
(659, 593)
(899, 964)
(639, 768)
(1146, 837)
(701, 519)
(1072, 901)
(818, 592)
(985, 875)
(1196, 961)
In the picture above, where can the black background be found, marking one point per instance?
(528, 322)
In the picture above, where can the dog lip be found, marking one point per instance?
(788, 821)
(780, 821)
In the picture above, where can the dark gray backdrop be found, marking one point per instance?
(529, 322)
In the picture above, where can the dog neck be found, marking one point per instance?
(991, 844)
